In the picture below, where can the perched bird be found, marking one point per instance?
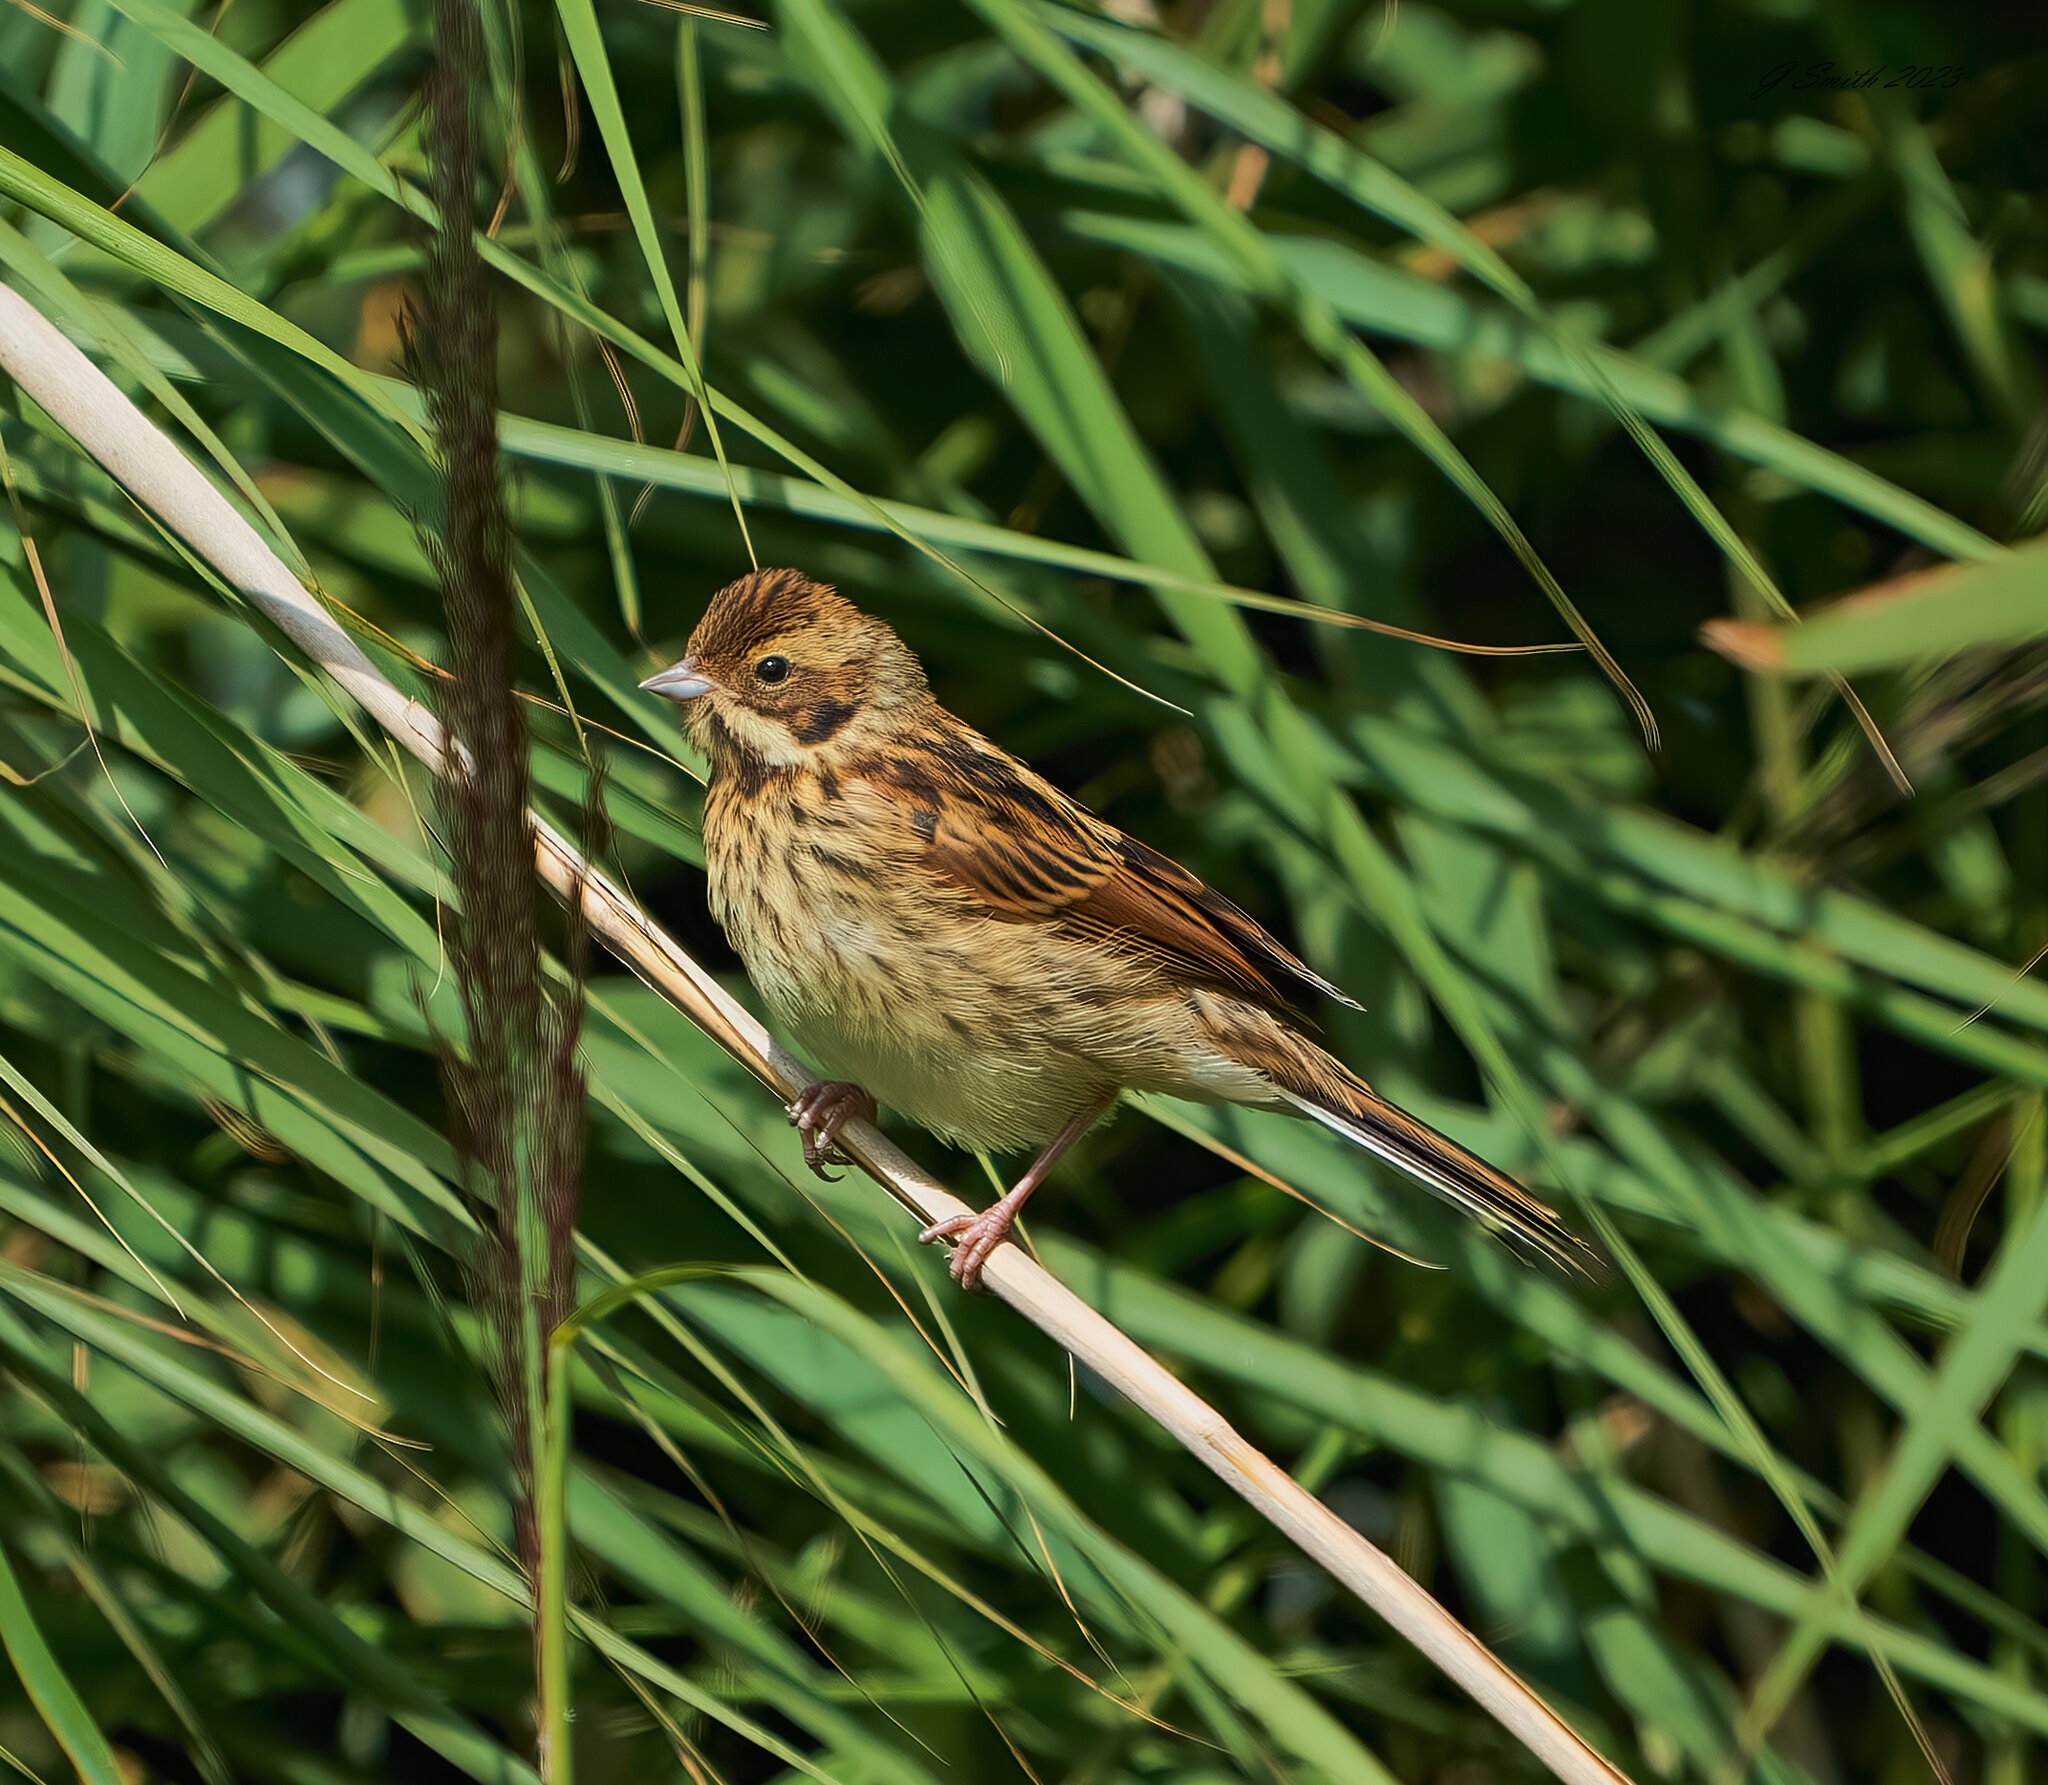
(952, 935)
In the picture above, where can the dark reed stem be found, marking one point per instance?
(516, 1094)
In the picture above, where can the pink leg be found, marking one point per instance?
(979, 1235)
(820, 1112)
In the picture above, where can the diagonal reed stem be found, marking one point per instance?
(152, 469)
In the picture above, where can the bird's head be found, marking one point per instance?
(781, 667)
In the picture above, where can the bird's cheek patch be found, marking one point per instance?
(824, 721)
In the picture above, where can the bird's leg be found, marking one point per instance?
(818, 1114)
(979, 1235)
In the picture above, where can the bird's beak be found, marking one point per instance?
(679, 682)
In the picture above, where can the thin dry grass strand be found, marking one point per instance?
(195, 1340)
(92, 43)
(44, 1108)
(34, 559)
(131, 449)
(2018, 973)
(1166, 1118)
(712, 13)
(1965, 1202)
(85, 1196)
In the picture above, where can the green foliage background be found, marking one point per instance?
(994, 342)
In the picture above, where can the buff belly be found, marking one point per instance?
(919, 1025)
(992, 1035)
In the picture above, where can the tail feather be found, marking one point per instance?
(1326, 1091)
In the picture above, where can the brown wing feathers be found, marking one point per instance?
(1016, 842)
(1154, 896)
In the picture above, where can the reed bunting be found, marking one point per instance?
(957, 938)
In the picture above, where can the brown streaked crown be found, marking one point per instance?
(839, 664)
(756, 610)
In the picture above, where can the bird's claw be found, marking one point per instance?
(976, 1236)
(819, 1112)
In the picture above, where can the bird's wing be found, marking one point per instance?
(1028, 853)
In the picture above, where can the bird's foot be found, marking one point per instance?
(976, 1236)
(819, 1113)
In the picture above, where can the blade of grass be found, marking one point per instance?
(1923, 617)
(49, 1687)
(593, 66)
(1974, 1363)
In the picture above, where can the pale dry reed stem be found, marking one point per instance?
(157, 474)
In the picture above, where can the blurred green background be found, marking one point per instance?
(1050, 334)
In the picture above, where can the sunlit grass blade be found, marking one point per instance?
(1930, 614)
(49, 1688)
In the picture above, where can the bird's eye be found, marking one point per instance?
(772, 669)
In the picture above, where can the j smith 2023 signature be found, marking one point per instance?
(1832, 78)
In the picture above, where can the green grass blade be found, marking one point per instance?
(49, 1688)
(1916, 620)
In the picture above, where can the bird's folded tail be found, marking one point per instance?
(1328, 1092)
